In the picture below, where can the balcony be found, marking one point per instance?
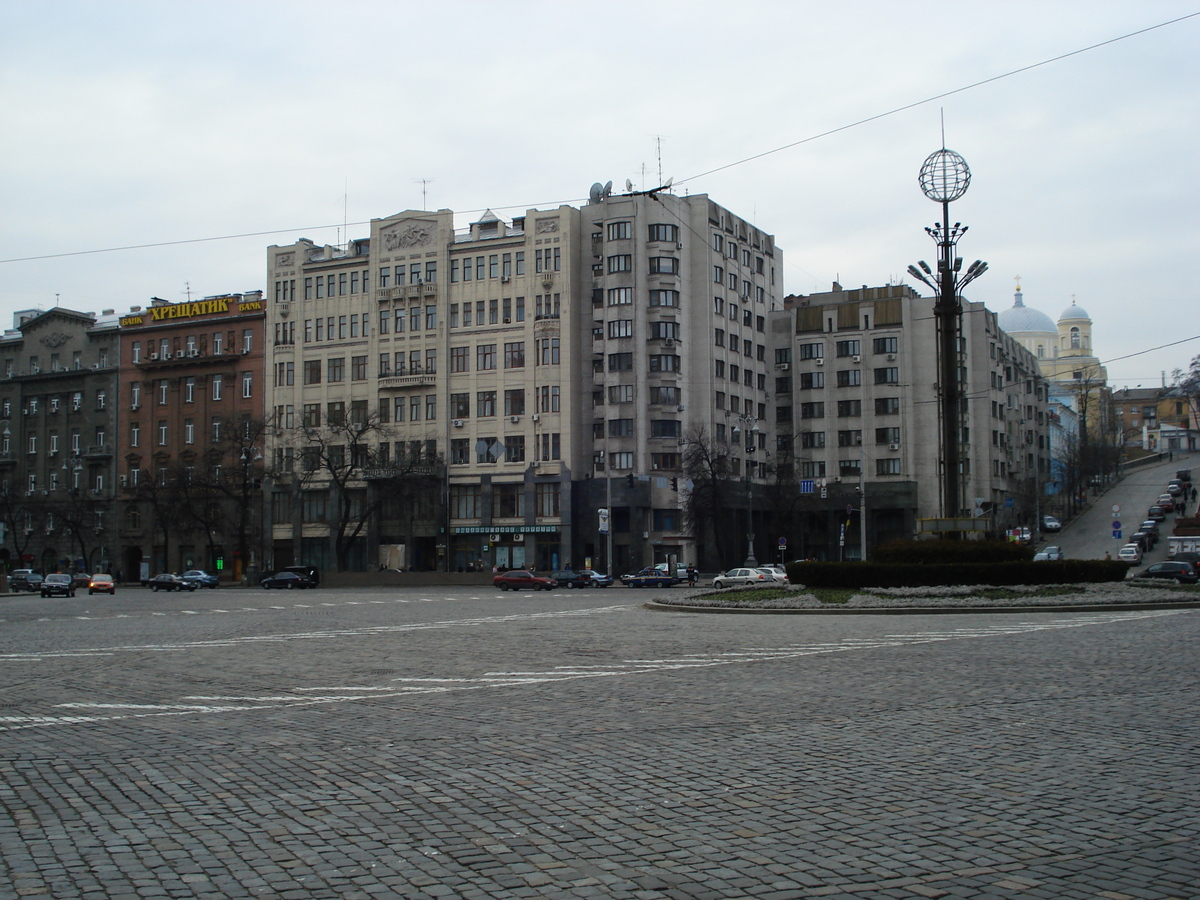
(98, 451)
(412, 379)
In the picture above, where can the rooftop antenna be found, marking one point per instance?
(187, 289)
(658, 152)
(424, 182)
(346, 209)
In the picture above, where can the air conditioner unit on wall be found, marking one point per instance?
(153, 357)
(783, 367)
(893, 446)
(820, 361)
(514, 419)
(458, 423)
(858, 359)
(536, 417)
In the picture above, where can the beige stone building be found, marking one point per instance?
(513, 379)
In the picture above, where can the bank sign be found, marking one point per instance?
(213, 306)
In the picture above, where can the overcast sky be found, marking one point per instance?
(131, 123)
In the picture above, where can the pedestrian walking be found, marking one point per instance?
(691, 575)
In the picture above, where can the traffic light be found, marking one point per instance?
(675, 484)
(629, 480)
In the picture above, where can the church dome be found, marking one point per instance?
(1074, 312)
(1020, 319)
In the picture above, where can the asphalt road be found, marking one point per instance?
(1090, 535)
(471, 744)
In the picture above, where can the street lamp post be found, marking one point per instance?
(750, 425)
(944, 178)
(249, 455)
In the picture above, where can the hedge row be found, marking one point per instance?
(942, 552)
(860, 575)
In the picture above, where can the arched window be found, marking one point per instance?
(1075, 342)
(1041, 351)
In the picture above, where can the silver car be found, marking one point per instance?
(778, 574)
(740, 576)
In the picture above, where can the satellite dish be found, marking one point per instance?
(607, 190)
(668, 183)
(629, 185)
(596, 194)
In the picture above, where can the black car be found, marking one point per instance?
(168, 582)
(57, 585)
(569, 578)
(1179, 572)
(1143, 539)
(1156, 513)
(286, 580)
(312, 573)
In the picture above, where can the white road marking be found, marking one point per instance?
(406, 687)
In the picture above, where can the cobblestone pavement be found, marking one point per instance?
(463, 744)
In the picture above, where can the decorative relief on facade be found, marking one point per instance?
(546, 226)
(57, 339)
(285, 259)
(410, 234)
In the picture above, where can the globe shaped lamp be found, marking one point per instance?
(944, 176)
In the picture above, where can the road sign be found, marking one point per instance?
(1116, 524)
(824, 492)
(1116, 508)
(849, 509)
(783, 543)
(806, 486)
(1117, 533)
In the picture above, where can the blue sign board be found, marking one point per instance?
(806, 486)
(1117, 533)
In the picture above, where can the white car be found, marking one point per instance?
(778, 574)
(1130, 553)
(740, 576)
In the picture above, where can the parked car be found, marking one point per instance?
(1051, 523)
(103, 584)
(1150, 526)
(24, 580)
(740, 576)
(1157, 513)
(598, 579)
(1179, 572)
(521, 578)
(170, 582)
(1167, 502)
(58, 585)
(569, 578)
(1049, 553)
(650, 576)
(680, 571)
(312, 573)
(201, 578)
(1184, 475)
(81, 579)
(1130, 553)
(286, 580)
(778, 574)
(1174, 488)
(1143, 539)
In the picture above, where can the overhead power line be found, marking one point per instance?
(678, 181)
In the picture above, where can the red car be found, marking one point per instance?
(519, 578)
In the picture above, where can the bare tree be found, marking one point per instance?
(337, 456)
(706, 510)
(22, 518)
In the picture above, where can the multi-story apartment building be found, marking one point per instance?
(454, 399)
(856, 407)
(191, 436)
(57, 424)
(681, 291)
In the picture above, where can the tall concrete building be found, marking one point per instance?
(857, 407)
(513, 388)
